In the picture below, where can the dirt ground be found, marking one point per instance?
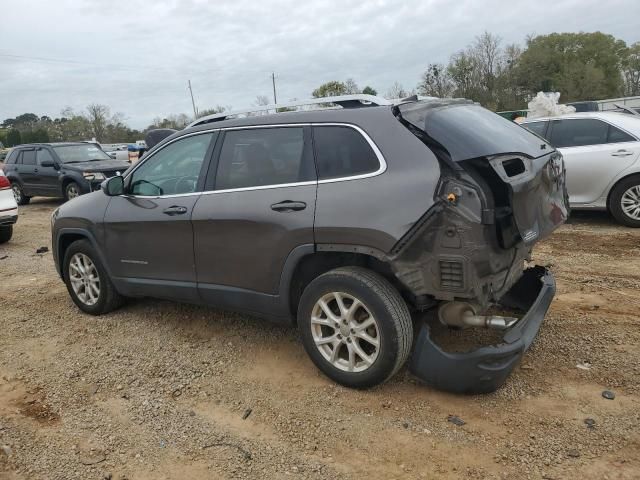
(159, 390)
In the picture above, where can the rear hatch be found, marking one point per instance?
(524, 173)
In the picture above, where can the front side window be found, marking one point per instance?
(578, 132)
(539, 128)
(80, 153)
(44, 155)
(173, 170)
(263, 156)
(342, 152)
(29, 157)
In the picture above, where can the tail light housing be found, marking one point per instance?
(4, 183)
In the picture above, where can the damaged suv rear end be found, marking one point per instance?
(501, 190)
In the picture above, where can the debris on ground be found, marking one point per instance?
(42, 250)
(608, 394)
(456, 420)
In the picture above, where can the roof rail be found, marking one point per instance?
(345, 101)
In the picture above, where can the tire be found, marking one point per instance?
(624, 203)
(107, 298)
(380, 300)
(18, 194)
(6, 233)
(71, 191)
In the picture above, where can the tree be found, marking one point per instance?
(581, 66)
(14, 138)
(351, 87)
(631, 70)
(333, 88)
(211, 111)
(369, 91)
(262, 100)
(397, 91)
(98, 117)
(436, 82)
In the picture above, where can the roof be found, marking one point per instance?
(51, 144)
(626, 121)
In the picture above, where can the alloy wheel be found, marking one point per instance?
(84, 279)
(17, 193)
(72, 191)
(345, 332)
(630, 202)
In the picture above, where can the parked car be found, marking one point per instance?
(342, 221)
(601, 151)
(58, 170)
(8, 209)
(116, 151)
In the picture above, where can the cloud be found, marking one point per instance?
(137, 55)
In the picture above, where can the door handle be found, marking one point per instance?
(621, 153)
(288, 206)
(175, 210)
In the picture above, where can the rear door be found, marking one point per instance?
(28, 172)
(594, 152)
(147, 232)
(260, 208)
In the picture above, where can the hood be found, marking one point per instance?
(98, 166)
(466, 130)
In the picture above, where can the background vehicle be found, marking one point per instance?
(601, 151)
(8, 209)
(116, 151)
(342, 220)
(58, 170)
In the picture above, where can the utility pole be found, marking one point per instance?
(273, 81)
(195, 110)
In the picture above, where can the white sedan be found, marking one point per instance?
(8, 209)
(601, 152)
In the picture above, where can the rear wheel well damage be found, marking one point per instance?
(313, 265)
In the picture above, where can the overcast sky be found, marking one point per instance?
(137, 55)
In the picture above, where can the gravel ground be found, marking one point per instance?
(159, 390)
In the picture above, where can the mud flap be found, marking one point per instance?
(485, 369)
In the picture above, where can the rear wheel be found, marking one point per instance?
(355, 326)
(625, 202)
(87, 281)
(6, 233)
(18, 194)
(71, 191)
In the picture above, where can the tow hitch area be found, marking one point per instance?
(485, 369)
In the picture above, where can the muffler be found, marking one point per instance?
(463, 315)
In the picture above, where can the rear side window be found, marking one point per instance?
(29, 157)
(578, 132)
(539, 128)
(342, 152)
(616, 136)
(263, 156)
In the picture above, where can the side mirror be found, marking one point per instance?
(48, 163)
(114, 186)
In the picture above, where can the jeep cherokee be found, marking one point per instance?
(355, 223)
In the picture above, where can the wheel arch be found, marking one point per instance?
(312, 263)
(65, 238)
(617, 182)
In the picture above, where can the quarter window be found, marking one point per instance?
(263, 156)
(342, 152)
(578, 132)
(173, 170)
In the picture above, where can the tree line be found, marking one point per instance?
(581, 66)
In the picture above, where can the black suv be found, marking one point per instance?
(358, 224)
(58, 170)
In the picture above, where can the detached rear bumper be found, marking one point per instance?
(486, 369)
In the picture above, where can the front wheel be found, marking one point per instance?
(87, 280)
(71, 191)
(355, 326)
(6, 233)
(625, 202)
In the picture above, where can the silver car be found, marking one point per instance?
(601, 151)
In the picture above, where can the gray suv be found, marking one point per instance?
(359, 224)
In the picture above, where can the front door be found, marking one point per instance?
(261, 208)
(594, 152)
(148, 232)
(49, 184)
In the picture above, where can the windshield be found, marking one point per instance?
(468, 131)
(80, 153)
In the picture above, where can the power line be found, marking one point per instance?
(76, 62)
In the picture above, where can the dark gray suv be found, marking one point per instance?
(358, 224)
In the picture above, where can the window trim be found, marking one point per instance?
(211, 160)
(603, 120)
